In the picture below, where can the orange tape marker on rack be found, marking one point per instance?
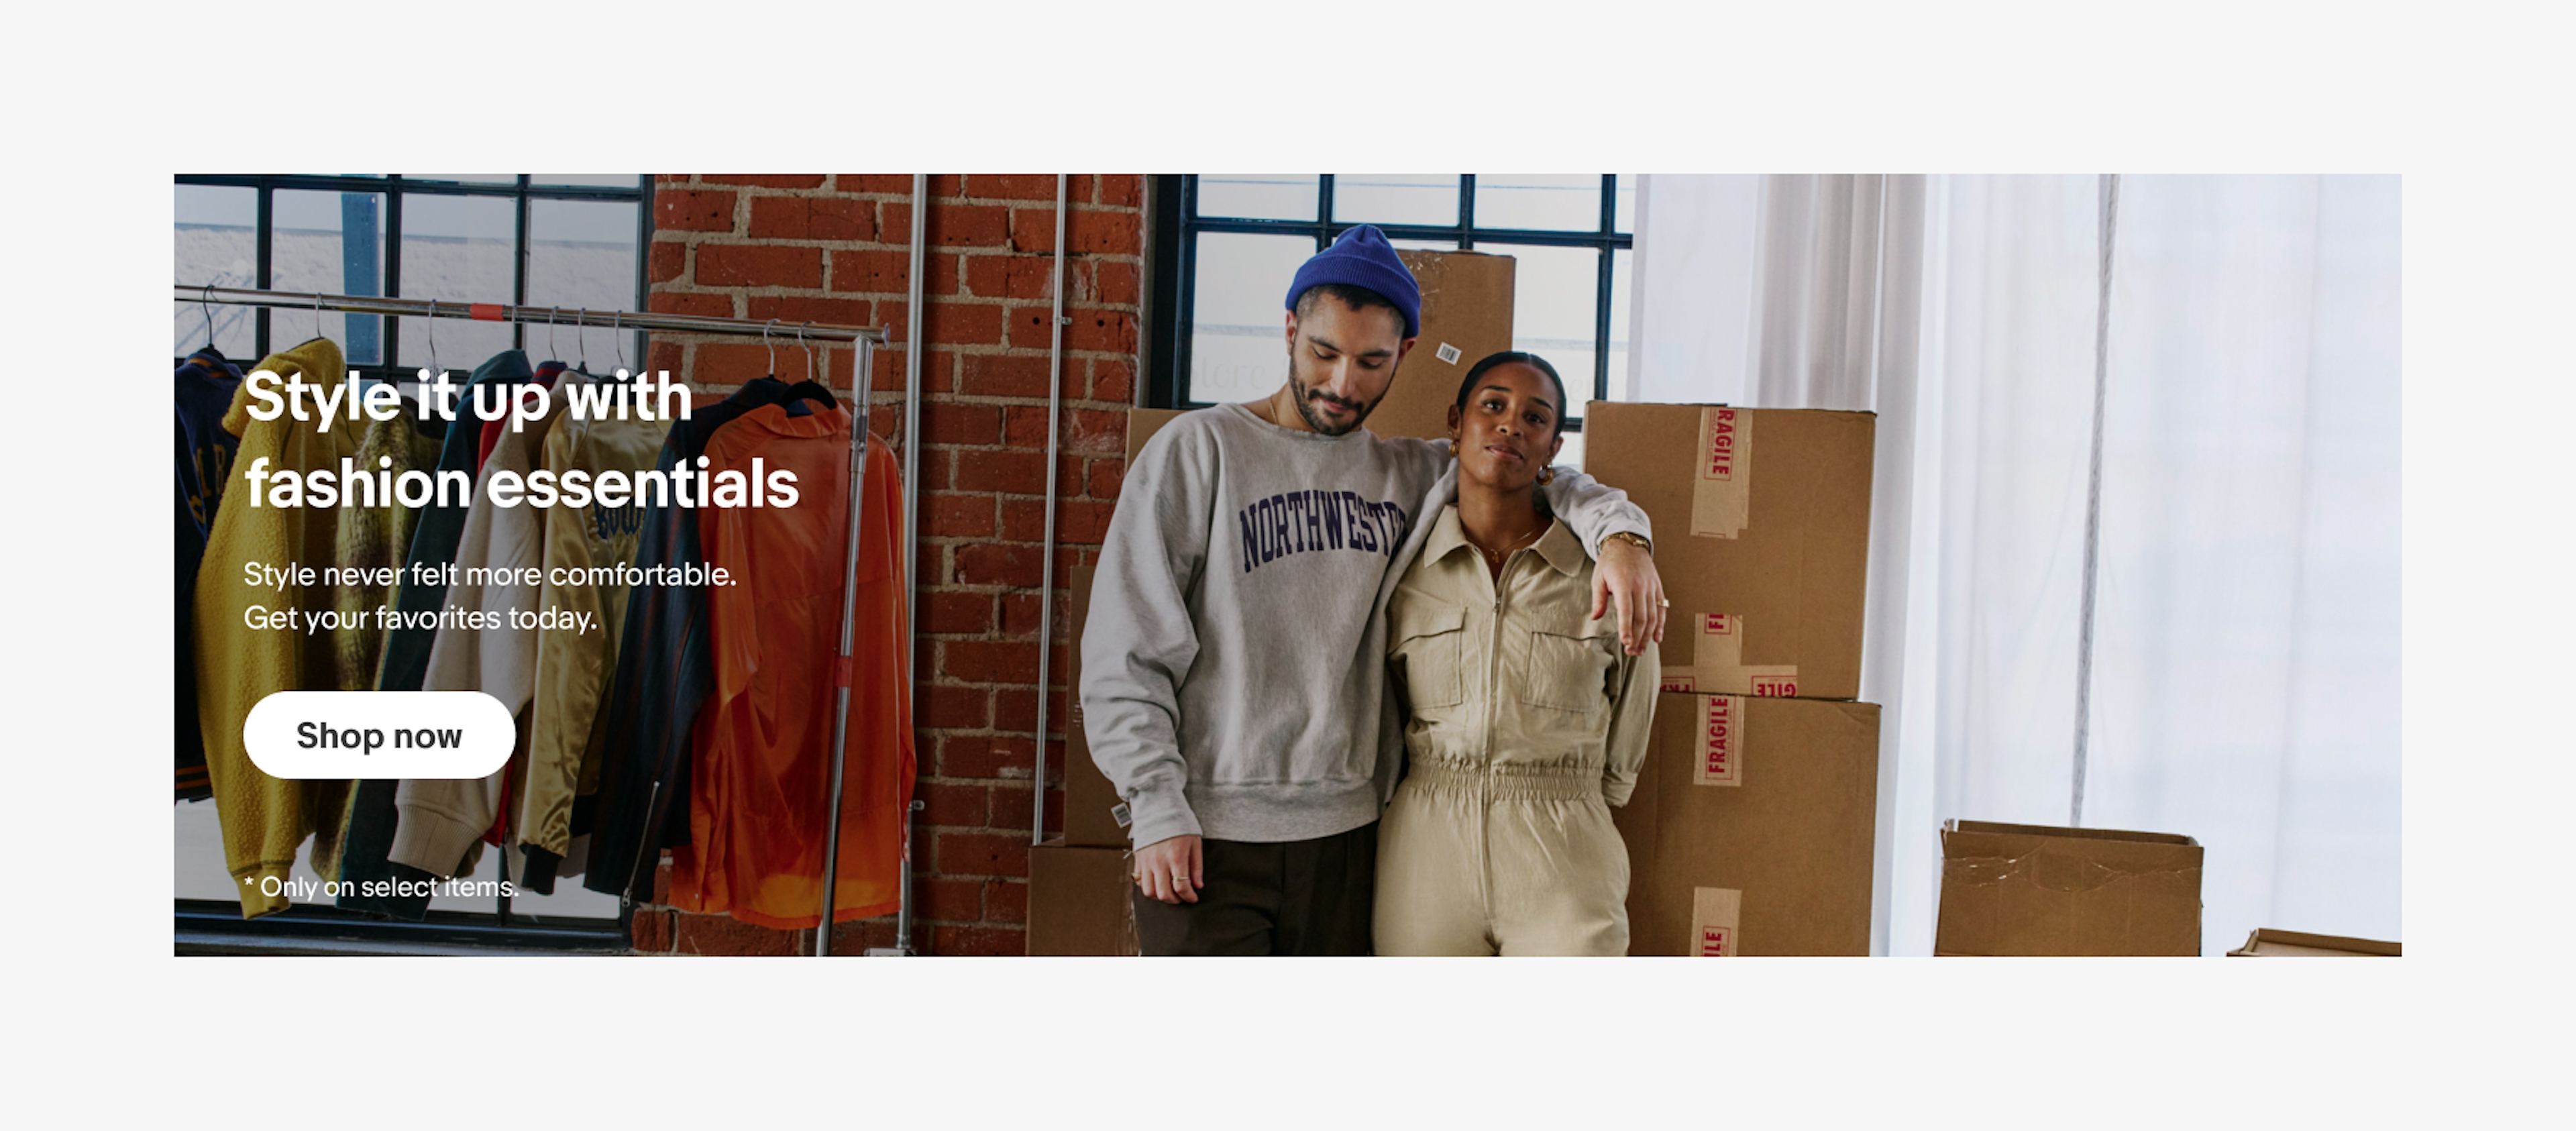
(487, 312)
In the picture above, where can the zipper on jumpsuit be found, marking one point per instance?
(1485, 779)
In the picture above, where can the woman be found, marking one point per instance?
(1524, 721)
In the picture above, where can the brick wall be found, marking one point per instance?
(835, 248)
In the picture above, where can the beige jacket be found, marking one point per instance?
(1514, 676)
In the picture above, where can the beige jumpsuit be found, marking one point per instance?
(1524, 722)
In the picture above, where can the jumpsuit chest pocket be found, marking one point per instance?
(1430, 643)
(1567, 668)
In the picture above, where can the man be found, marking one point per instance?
(1235, 659)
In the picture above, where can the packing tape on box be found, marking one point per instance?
(1718, 667)
(1721, 498)
(1713, 917)
(1721, 741)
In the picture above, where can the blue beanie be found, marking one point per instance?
(1361, 257)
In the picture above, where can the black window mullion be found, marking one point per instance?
(259, 315)
(1466, 211)
(393, 268)
(519, 267)
(1609, 279)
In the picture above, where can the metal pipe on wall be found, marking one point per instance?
(912, 322)
(1046, 567)
(842, 665)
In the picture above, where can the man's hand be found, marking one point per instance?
(1627, 575)
(1172, 870)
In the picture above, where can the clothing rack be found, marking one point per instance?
(866, 338)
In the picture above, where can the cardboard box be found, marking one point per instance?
(1091, 805)
(2267, 942)
(2042, 890)
(1466, 315)
(1761, 534)
(1752, 826)
(1142, 423)
(1078, 901)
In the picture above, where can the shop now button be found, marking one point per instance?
(379, 734)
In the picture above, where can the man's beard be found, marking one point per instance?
(1304, 396)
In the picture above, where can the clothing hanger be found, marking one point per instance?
(585, 339)
(554, 356)
(430, 328)
(206, 305)
(809, 389)
(773, 346)
(617, 336)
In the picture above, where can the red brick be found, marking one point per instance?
(980, 854)
(1115, 381)
(984, 756)
(670, 257)
(792, 309)
(764, 180)
(958, 614)
(1011, 804)
(1092, 232)
(969, 225)
(1002, 375)
(686, 210)
(1099, 330)
(1081, 522)
(956, 901)
(957, 708)
(944, 185)
(1006, 902)
(1095, 431)
(1033, 229)
(725, 935)
(812, 218)
(733, 363)
(963, 324)
(651, 932)
(665, 357)
(872, 182)
(993, 564)
(1015, 709)
(729, 265)
(985, 941)
(1011, 276)
(662, 880)
(1122, 190)
(940, 272)
(1012, 186)
(1016, 473)
(986, 661)
(1031, 328)
(958, 516)
(1106, 474)
(881, 272)
(857, 935)
(952, 423)
(1115, 284)
(894, 218)
(681, 302)
(895, 316)
(956, 805)
(1020, 610)
(1025, 426)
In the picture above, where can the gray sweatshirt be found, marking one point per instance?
(1233, 664)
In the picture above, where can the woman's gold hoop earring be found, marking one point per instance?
(1546, 475)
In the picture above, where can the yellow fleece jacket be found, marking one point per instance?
(265, 819)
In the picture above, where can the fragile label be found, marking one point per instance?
(1449, 353)
(1713, 922)
(1722, 492)
(1717, 664)
(1721, 738)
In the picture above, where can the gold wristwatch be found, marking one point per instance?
(1632, 538)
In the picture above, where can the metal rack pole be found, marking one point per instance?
(1046, 567)
(845, 659)
(912, 323)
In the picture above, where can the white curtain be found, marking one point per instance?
(2245, 638)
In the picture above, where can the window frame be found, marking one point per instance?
(1177, 226)
(523, 190)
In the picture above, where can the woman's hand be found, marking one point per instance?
(1626, 574)
(1171, 870)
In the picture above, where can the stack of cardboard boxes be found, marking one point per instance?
(1752, 826)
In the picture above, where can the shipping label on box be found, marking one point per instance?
(1763, 547)
(1752, 828)
(2046, 890)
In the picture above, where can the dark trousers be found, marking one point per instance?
(1293, 897)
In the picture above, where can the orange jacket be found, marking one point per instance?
(760, 778)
